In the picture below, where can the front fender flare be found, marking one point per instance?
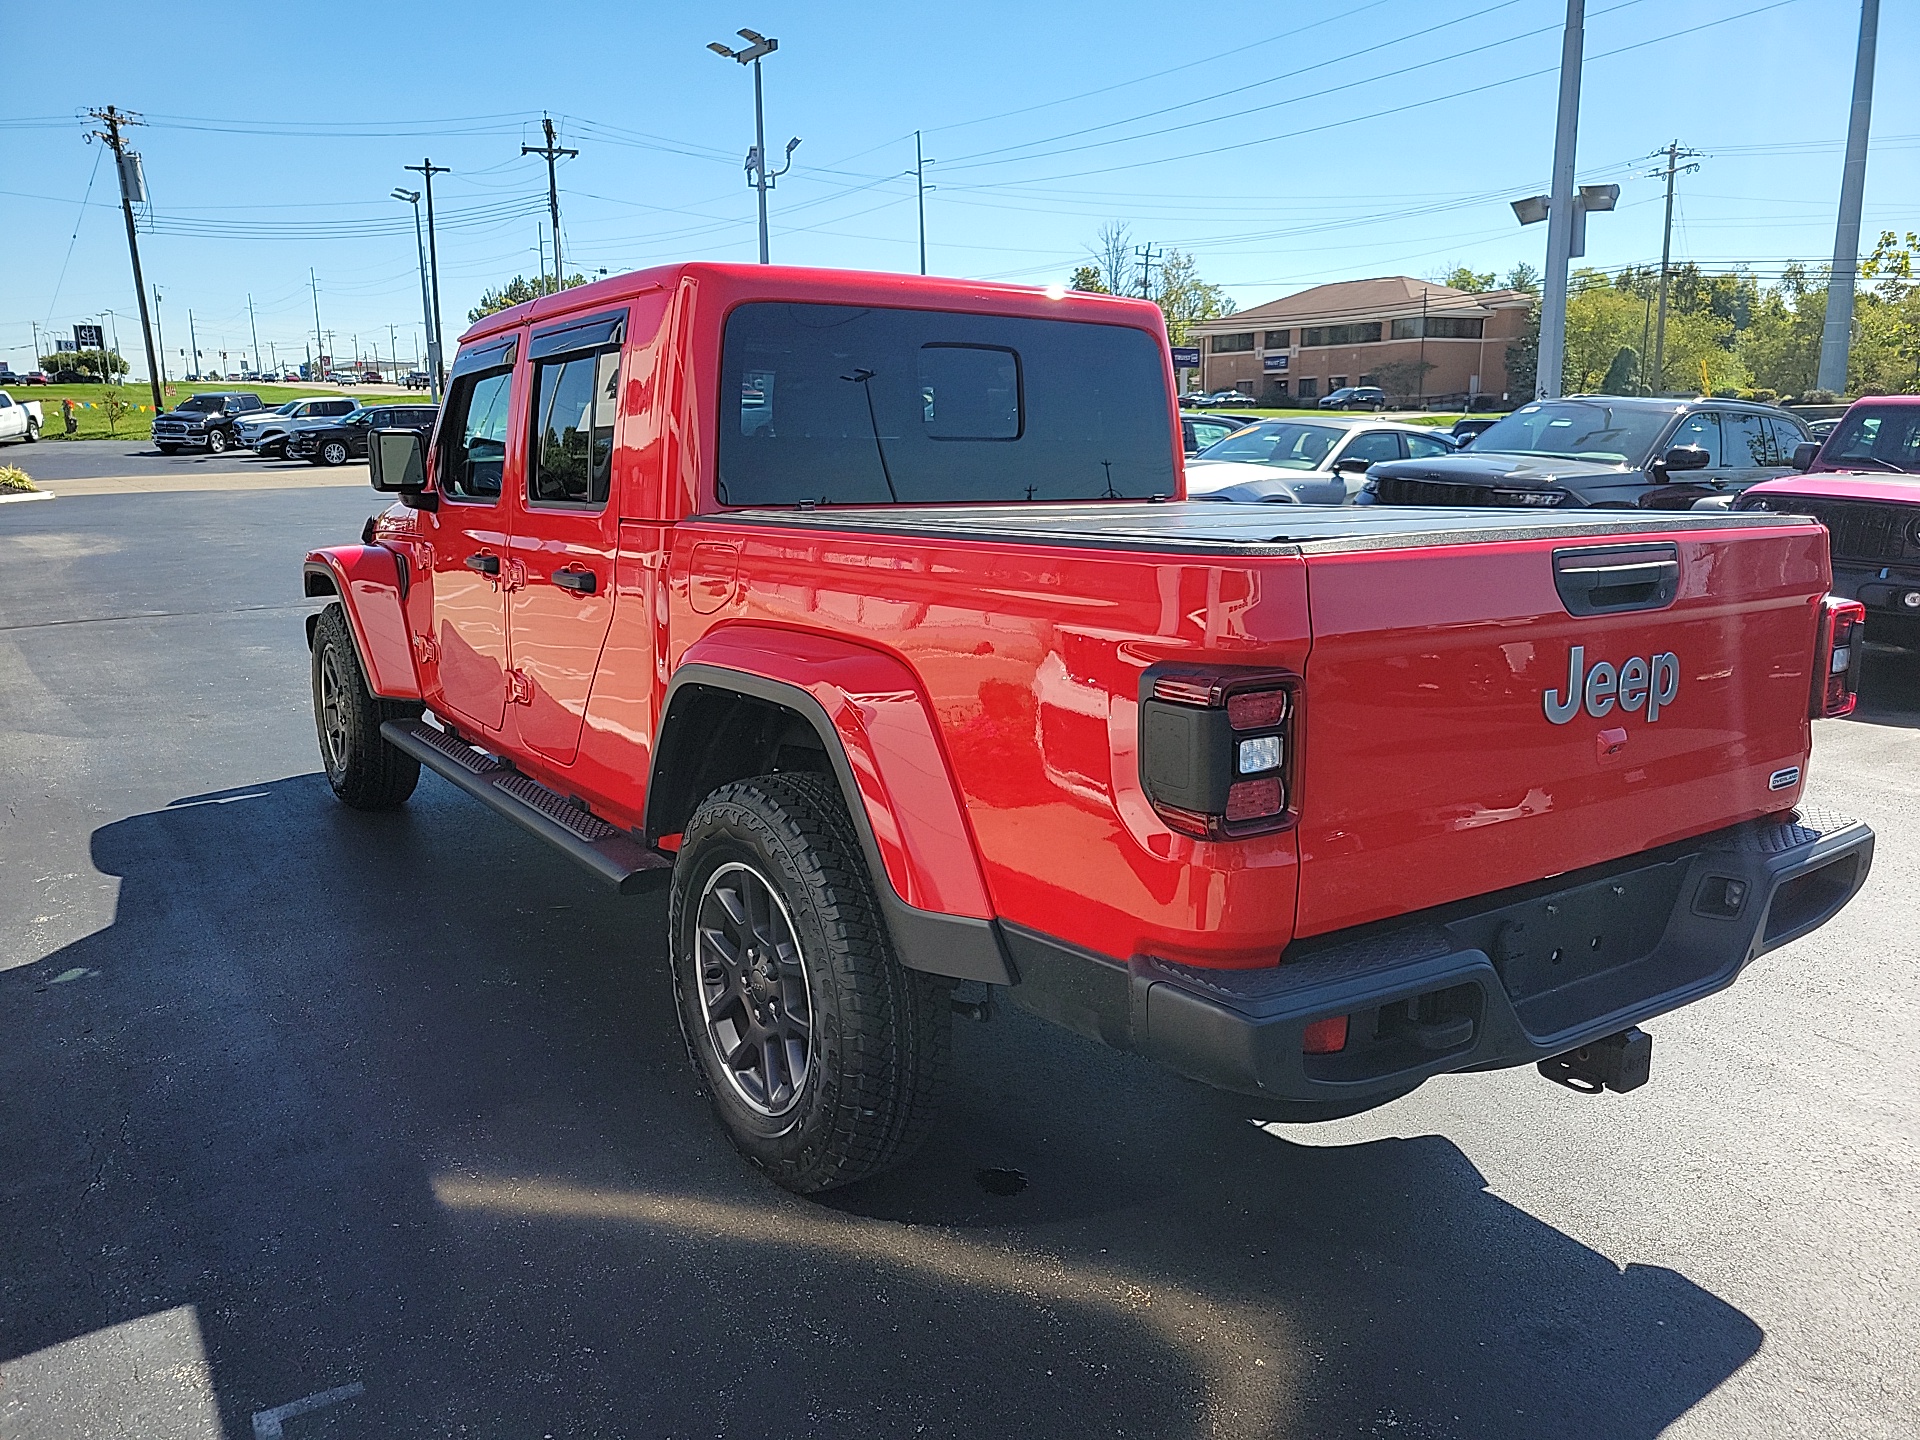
(371, 582)
(868, 712)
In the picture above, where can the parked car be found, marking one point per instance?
(1197, 432)
(37, 377)
(1608, 450)
(7, 377)
(1355, 397)
(418, 380)
(19, 419)
(827, 695)
(1468, 427)
(203, 422)
(335, 442)
(371, 377)
(1863, 484)
(291, 377)
(1307, 462)
(1230, 399)
(265, 433)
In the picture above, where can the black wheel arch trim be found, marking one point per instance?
(962, 947)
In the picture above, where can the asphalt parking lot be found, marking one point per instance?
(53, 461)
(389, 1114)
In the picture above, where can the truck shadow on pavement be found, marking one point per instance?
(399, 1101)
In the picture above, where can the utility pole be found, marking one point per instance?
(919, 173)
(393, 350)
(1674, 155)
(551, 152)
(319, 339)
(758, 176)
(1836, 336)
(161, 336)
(193, 339)
(540, 244)
(428, 169)
(254, 326)
(1560, 216)
(132, 187)
(1144, 256)
(36, 344)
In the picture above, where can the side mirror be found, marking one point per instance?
(1803, 454)
(1686, 457)
(1352, 465)
(397, 463)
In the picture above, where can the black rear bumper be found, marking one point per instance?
(1502, 980)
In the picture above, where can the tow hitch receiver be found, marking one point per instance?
(1618, 1063)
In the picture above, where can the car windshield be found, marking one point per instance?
(1285, 444)
(358, 415)
(1577, 430)
(1883, 437)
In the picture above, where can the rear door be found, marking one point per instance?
(1746, 451)
(473, 466)
(566, 531)
(1448, 747)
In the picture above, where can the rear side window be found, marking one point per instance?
(1787, 436)
(852, 405)
(334, 407)
(474, 440)
(575, 398)
(1424, 447)
(1745, 443)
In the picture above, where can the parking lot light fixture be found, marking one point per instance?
(412, 197)
(758, 176)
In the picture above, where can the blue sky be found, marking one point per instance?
(1285, 145)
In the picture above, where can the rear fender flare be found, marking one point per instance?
(867, 712)
(371, 584)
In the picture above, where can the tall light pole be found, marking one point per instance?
(1836, 336)
(412, 197)
(1560, 217)
(254, 326)
(758, 176)
(427, 169)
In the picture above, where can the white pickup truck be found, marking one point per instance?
(19, 419)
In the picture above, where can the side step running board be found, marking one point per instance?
(609, 852)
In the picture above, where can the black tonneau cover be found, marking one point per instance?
(1210, 527)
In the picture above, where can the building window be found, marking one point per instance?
(1278, 340)
(1338, 382)
(1309, 387)
(1361, 333)
(1440, 327)
(1280, 387)
(1231, 344)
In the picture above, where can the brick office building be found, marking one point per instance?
(1413, 338)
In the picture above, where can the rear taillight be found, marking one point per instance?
(1836, 671)
(1216, 749)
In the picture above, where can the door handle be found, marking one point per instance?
(484, 564)
(580, 582)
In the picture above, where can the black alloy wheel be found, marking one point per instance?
(753, 989)
(363, 770)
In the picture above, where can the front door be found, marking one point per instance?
(567, 530)
(470, 541)
(1678, 489)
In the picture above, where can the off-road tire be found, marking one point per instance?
(881, 1034)
(364, 770)
(216, 442)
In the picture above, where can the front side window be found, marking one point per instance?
(1579, 430)
(473, 449)
(1701, 429)
(1374, 446)
(575, 398)
(838, 404)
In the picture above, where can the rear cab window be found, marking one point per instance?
(841, 404)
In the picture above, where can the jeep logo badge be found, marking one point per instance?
(1638, 682)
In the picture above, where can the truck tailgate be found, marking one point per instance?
(1440, 756)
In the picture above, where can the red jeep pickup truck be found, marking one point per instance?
(866, 614)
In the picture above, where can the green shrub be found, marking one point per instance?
(12, 477)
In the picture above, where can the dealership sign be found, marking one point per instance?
(1275, 362)
(1186, 357)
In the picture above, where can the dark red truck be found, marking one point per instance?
(866, 614)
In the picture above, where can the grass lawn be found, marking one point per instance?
(90, 408)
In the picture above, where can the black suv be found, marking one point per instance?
(203, 422)
(338, 441)
(1607, 450)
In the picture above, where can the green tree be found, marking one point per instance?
(1184, 298)
(105, 363)
(1623, 376)
(518, 291)
(1087, 278)
(1522, 277)
(1464, 277)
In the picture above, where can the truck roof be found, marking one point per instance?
(1215, 528)
(803, 284)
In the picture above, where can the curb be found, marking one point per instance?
(25, 495)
